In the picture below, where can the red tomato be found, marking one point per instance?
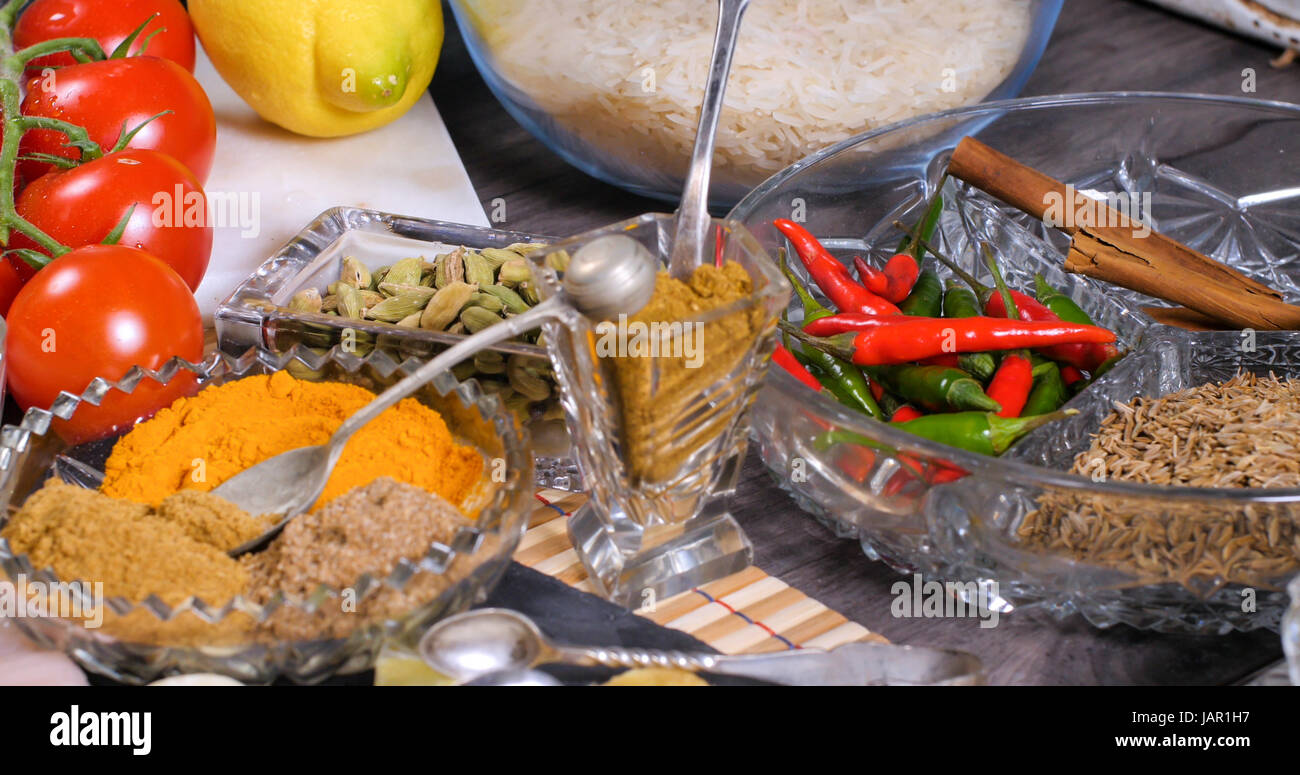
(102, 95)
(81, 206)
(96, 312)
(109, 22)
(11, 281)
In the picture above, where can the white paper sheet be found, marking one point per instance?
(284, 180)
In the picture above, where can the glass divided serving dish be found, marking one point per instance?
(256, 313)
(1208, 171)
(223, 636)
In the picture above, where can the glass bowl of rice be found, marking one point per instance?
(279, 632)
(614, 87)
(1210, 549)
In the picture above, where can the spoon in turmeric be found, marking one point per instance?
(607, 276)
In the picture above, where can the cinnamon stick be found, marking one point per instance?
(1182, 317)
(1122, 251)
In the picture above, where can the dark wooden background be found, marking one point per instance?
(1098, 45)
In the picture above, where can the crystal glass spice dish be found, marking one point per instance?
(660, 417)
(138, 641)
(257, 313)
(1204, 170)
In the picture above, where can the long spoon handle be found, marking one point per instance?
(615, 656)
(693, 214)
(499, 332)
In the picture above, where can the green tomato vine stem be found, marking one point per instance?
(15, 125)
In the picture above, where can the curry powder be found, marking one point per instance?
(199, 442)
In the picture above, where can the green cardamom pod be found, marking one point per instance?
(524, 248)
(558, 260)
(351, 305)
(463, 370)
(498, 256)
(306, 300)
(524, 381)
(451, 269)
(370, 298)
(395, 308)
(528, 292)
(476, 319)
(300, 370)
(379, 275)
(354, 273)
(521, 405)
(410, 321)
(445, 305)
(488, 302)
(490, 362)
(393, 289)
(329, 303)
(457, 328)
(405, 272)
(477, 269)
(514, 272)
(513, 301)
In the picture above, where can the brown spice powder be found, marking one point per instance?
(368, 530)
(664, 400)
(175, 552)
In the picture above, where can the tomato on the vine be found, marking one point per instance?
(96, 312)
(105, 96)
(109, 22)
(11, 281)
(81, 206)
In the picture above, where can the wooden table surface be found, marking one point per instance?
(1098, 45)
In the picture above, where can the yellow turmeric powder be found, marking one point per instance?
(199, 442)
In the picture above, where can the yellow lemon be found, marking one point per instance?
(323, 68)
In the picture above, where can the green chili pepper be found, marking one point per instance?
(978, 365)
(843, 379)
(1049, 392)
(981, 432)
(934, 388)
(1058, 302)
(927, 224)
(890, 403)
(960, 302)
(926, 298)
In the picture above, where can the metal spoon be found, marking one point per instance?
(693, 214)
(493, 640)
(608, 275)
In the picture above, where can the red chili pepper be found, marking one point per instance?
(1070, 375)
(913, 339)
(786, 360)
(946, 475)
(832, 276)
(1083, 356)
(1011, 384)
(902, 272)
(906, 413)
(856, 461)
(851, 321)
(877, 392)
(872, 278)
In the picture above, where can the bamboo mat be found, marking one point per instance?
(746, 613)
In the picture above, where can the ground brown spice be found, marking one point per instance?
(666, 417)
(368, 530)
(176, 552)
